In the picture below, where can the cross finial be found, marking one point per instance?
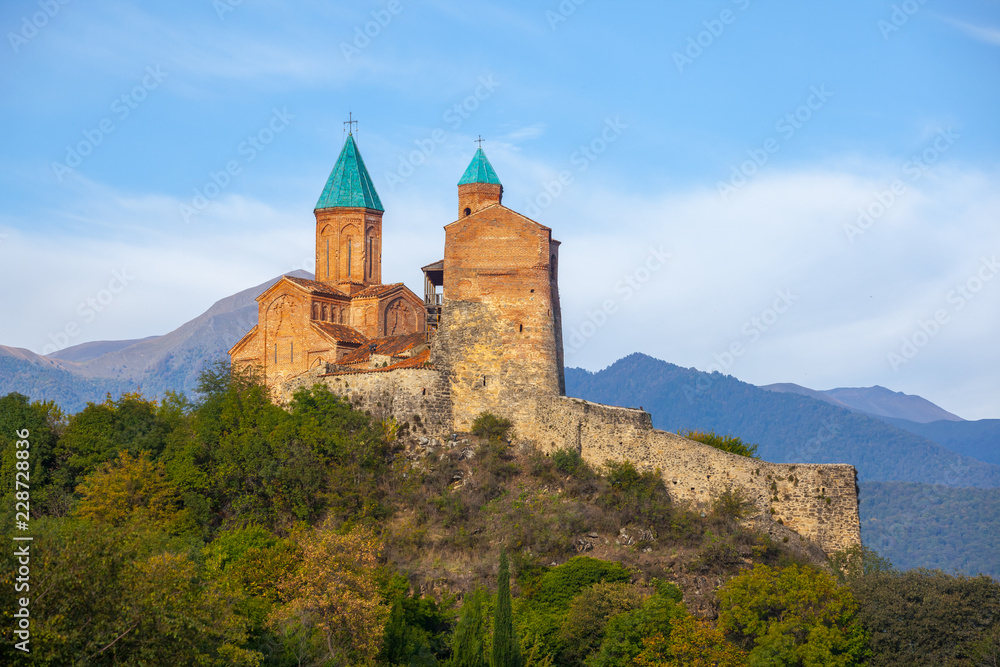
(480, 141)
(350, 121)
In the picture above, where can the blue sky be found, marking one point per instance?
(786, 192)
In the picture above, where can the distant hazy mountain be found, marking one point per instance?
(173, 361)
(789, 428)
(876, 401)
(978, 439)
(46, 379)
(93, 349)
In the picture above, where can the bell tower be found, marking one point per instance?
(479, 186)
(349, 224)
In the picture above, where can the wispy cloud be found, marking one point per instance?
(985, 34)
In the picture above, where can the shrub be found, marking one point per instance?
(570, 462)
(638, 497)
(733, 503)
(488, 425)
(717, 553)
(726, 443)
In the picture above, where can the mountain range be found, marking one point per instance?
(84, 373)
(875, 401)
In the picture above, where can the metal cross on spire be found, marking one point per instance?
(480, 141)
(350, 121)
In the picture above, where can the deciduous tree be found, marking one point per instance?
(333, 596)
(792, 616)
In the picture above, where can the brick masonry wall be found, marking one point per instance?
(497, 341)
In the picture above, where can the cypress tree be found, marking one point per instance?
(506, 651)
(469, 649)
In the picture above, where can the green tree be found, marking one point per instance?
(624, 633)
(42, 423)
(103, 595)
(925, 617)
(639, 497)
(488, 425)
(249, 564)
(469, 646)
(693, 643)
(506, 648)
(132, 490)
(100, 431)
(542, 610)
(859, 561)
(583, 628)
(792, 616)
(419, 629)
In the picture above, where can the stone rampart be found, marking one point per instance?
(418, 396)
(817, 501)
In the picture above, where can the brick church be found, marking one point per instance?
(348, 321)
(487, 336)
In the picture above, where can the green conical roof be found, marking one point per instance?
(349, 184)
(479, 171)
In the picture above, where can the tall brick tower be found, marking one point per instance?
(500, 338)
(349, 225)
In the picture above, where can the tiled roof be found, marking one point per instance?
(421, 360)
(316, 287)
(416, 361)
(479, 170)
(389, 346)
(375, 290)
(349, 184)
(340, 333)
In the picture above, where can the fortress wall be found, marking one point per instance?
(480, 349)
(418, 396)
(817, 501)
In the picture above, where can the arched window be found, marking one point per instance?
(369, 256)
(468, 211)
